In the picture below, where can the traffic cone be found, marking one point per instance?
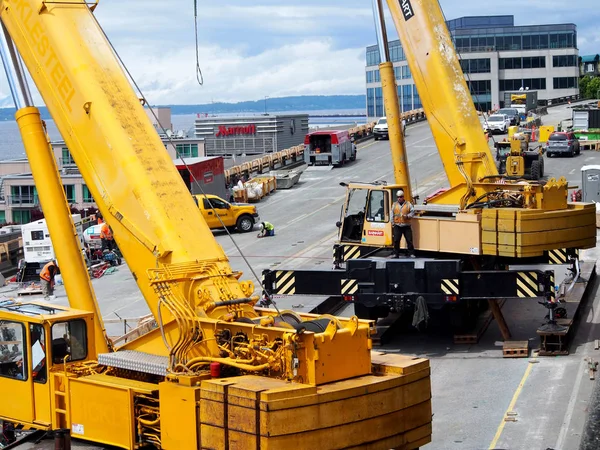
(533, 136)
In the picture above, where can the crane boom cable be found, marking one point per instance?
(199, 76)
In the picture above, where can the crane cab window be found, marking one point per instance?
(38, 352)
(355, 215)
(378, 211)
(69, 339)
(13, 361)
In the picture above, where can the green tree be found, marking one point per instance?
(583, 86)
(593, 88)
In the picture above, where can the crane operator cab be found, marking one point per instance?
(38, 342)
(366, 217)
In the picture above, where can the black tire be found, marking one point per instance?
(245, 223)
(572, 153)
(542, 167)
(376, 138)
(535, 170)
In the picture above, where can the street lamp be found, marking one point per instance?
(266, 97)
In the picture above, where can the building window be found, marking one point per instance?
(186, 150)
(2, 217)
(396, 52)
(564, 61)
(534, 62)
(563, 40)
(373, 56)
(527, 62)
(565, 83)
(397, 72)
(23, 195)
(481, 90)
(407, 98)
(87, 195)
(416, 99)
(379, 110)
(515, 85)
(371, 102)
(510, 63)
(369, 76)
(477, 65)
(66, 156)
(406, 72)
(69, 192)
(14, 357)
(21, 215)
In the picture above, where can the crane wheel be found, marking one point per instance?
(536, 170)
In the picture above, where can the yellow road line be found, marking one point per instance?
(365, 146)
(511, 406)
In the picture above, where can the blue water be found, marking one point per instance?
(11, 146)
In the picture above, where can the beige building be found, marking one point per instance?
(18, 194)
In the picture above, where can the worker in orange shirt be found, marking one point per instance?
(47, 275)
(106, 236)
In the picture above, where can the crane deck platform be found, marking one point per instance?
(554, 343)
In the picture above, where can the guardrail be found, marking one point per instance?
(268, 161)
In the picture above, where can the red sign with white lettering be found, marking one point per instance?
(232, 131)
(375, 233)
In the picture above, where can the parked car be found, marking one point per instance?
(240, 216)
(497, 123)
(562, 143)
(380, 131)
(513, 115)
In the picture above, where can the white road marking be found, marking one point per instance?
(564, 429)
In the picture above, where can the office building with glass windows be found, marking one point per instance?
(496, 56)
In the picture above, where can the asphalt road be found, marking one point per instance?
(472, 386)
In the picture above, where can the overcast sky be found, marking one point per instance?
(252, 49)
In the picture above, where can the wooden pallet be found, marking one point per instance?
(483, 322)
(589, 145)
(515, 349)
(30, 292)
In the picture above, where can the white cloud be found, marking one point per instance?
(273, 47)
(307, 67)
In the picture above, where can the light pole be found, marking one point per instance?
(266, 97)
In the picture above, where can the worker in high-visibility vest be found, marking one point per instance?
(47, 275)
(266, 229)
(106, 237)
(402, 212)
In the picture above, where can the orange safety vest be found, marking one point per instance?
(105, 232)
(45, 273)
(398, 211)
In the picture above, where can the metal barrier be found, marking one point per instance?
(268, 161)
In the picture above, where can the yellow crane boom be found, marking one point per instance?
(216, 372)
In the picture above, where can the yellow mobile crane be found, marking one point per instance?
(216, 373)
(467, 235)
